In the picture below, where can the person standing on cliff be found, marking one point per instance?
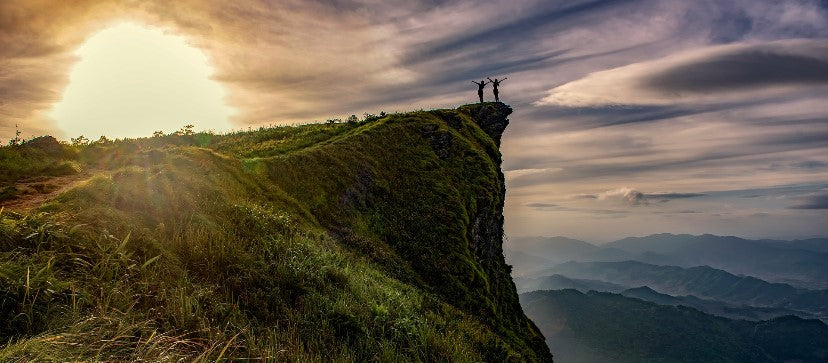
(480, 86)
(496, 82)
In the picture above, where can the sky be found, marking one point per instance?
(631, 117)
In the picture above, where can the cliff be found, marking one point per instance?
(376, 240)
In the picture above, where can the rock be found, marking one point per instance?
(492, 117)
(450, 117)
(440, 140)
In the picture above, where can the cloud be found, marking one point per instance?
(619, 107)
(671, 196)
(634, 197)
(810, 164)
(283, 62)
(817, 201)
(761, 66)
(614, 213)
(708, 75)
(541, 205)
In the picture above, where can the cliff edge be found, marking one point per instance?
(375, 240)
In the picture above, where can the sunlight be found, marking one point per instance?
(132, 80)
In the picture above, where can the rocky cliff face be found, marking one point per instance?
(491, 117)
(486, 228)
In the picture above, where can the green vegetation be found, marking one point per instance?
(374, 240)
(599, 326)
(39, 157)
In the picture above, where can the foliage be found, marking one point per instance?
(79, 141)
(16, 140)
(263, 244)
(187, 130)
(26, 161)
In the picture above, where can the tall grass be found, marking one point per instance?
(259, 245)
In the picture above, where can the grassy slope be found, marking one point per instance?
(348, 241)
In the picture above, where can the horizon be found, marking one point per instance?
(609, 138)
(604, 242)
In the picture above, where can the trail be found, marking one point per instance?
(31, 193)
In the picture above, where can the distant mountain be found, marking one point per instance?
(597, 326)
(555, 248)
(560, 282)
(701, 281)
(812, 244)
(525, 264)
(548, 251)
(713, 307)
(799, 263)
(647, 294)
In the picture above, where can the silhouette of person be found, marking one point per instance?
(480, 86)
(496, 82)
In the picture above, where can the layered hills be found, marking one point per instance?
(801, 263)
(602, 327)
(700, 281)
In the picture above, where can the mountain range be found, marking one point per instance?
(800, 263)
(604, 327)
(701, 281)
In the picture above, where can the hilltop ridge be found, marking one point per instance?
(375, 240)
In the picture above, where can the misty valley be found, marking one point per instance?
(669, 297)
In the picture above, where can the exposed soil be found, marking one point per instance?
(30, 193)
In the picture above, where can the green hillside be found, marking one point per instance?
(603, 327)
(373, 240)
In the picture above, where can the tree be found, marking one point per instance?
(16, 140)
(80, 141)
(187, 130)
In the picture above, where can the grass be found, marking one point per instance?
(346, 242)
(19, 162)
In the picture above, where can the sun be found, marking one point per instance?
(132, 80)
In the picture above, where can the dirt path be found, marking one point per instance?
(31, 193)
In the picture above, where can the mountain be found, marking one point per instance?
(819, 245)
(801, 263)
(713, 307)
(552, 247)
(547, 251)
(647, 294)
(559, 282)
(525, 264)
(361, 241)
(700, 281)
(801, 267)
(596, 327)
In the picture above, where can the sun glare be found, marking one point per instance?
(132, 80)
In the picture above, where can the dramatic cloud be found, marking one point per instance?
(819, 201)
(705, 97)
(635, 198)
(711, 75)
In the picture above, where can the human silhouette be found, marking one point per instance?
(480, 86)
(496, 82)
